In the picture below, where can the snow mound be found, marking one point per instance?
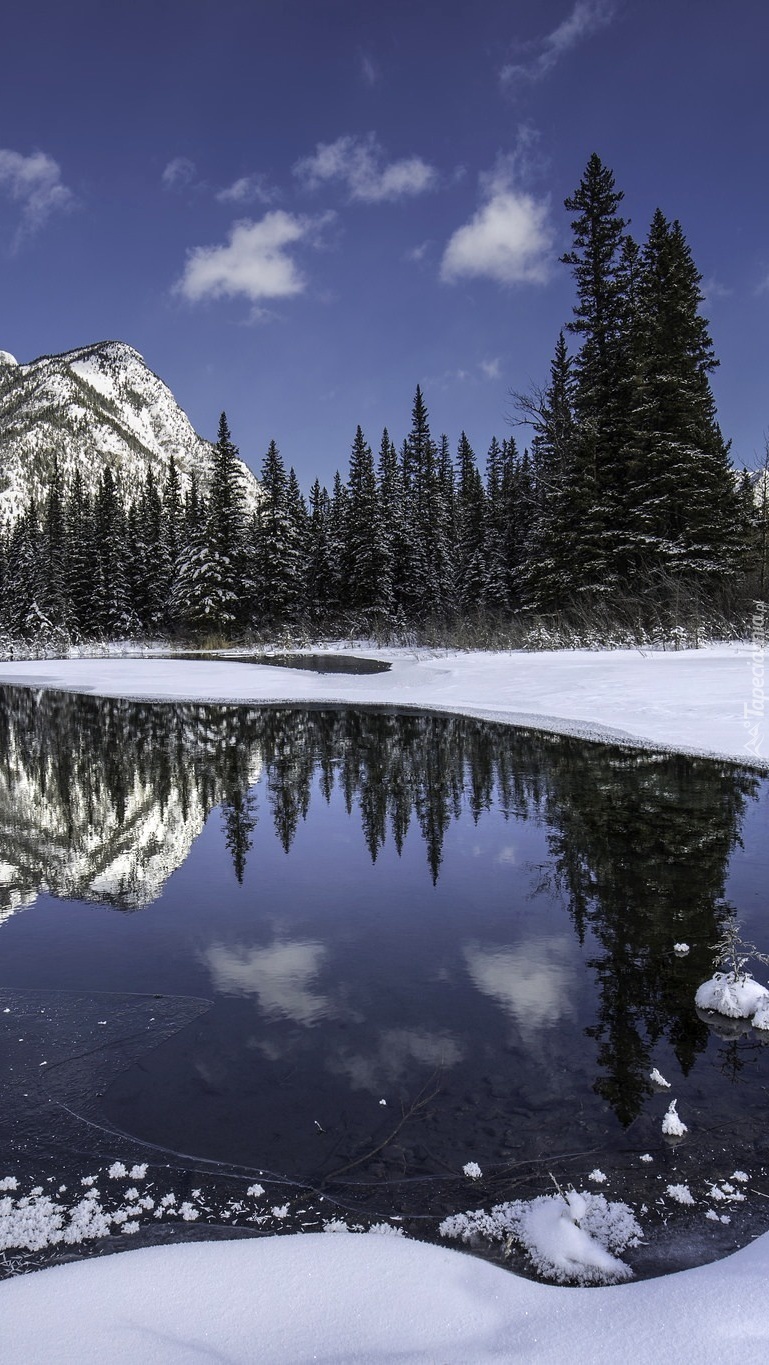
(672, 1125)
(735, 997)
(570, 1238)
(7, 359)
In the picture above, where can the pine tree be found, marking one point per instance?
(319, 571)
(470, 523)
(495, 596)
(113, 616)
(81, 557)
(597, 473)
(685, 504)
(366, 558)
(277, 549)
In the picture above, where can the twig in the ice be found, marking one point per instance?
(422, 1100)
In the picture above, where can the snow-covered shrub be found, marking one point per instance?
(738, 997)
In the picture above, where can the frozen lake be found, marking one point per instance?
(354, 950)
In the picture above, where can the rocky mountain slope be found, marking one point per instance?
(95, 405)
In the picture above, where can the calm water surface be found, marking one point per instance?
(378, 946)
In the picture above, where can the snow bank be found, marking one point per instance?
(292, 1300)
(687, 701)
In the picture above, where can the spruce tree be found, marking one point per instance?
(686, 511)
(598, 473)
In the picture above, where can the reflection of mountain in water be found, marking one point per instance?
(99, 801)
(102, 799)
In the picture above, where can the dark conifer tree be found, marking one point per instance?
(319, 570)
(598, 472)
(276, 552)
(470, 522)
(686, 513)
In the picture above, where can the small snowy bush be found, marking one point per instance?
(570, 1238)
(736, 997)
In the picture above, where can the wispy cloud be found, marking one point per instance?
(538, 59)
(254, 263)
(34, 183)
(418, 253)
(179, 173)
(491, 369)
(369, 71)
(509, 239)
(712, 289)
(247, 189)
(358, 162)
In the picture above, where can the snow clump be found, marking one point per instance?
(681, 1193)
(569, 1238)
(680, 949)
(672, 1126)
(472, 1170)
(657, 1078)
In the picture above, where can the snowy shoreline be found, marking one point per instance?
(690, 701)
(344, 1299)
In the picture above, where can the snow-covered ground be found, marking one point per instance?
(343, 1299)
(356, 1298)
(701, 701)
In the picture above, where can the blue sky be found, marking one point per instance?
(297, 210)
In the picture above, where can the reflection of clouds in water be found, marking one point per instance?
(533, 982)
(397, 1053)
(279, 976)
(507, 855)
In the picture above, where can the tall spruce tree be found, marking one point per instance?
(686, 513)
(598, 473)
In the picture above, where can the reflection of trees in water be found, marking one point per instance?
(641, 846)
(640, 843)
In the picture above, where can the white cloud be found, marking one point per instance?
(34, 183)
(179, 173)
(247, 189)
(533, 983)
(586, 17)
(254, 263)
(508, 239)
(358, 162)
(491, 370)
(280, 976)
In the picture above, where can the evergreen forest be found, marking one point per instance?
(622, 518)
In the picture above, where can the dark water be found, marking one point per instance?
(360, 949)
(308, 663)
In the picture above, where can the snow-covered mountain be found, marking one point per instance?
(97, 405)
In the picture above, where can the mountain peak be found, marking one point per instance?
(93, 406)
